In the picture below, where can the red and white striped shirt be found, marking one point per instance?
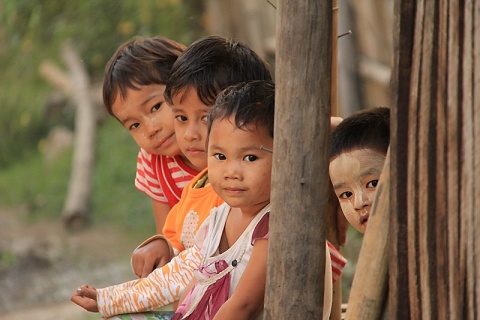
(162, 178)
(338, 261)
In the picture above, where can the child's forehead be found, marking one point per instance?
(230, 123)
(184, 93)
(363, 158)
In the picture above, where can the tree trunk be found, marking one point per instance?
(300, 188)
(76, 208)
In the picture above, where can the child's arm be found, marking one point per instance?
(151, 254)
(157, 250)
(247, 299)
(160, 212)
(162, 287)
(184, 295)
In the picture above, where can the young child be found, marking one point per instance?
(205, 68)
(133, 87)
(233, 240)
(358, 148)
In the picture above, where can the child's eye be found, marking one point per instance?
(219, 156)
(156, 107)
(205, 118)
(250, 158)
(181, 118)
(345, 195)
(134, 126)
(372, 184)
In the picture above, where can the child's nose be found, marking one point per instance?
(232, 171)
(192, 132)
(151, 127)
(361, 200)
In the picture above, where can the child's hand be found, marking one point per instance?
(86, 297)
(147, 258)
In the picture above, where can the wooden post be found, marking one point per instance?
(296, 260)
(436, 161)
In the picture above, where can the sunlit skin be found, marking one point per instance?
(191, 127)
(355, 176)
(148, 119)
(239, 170)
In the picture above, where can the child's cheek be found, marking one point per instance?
(351, 215)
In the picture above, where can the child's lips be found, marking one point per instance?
(166, 141)
(364, 216)
(194, 150)
(233, 190)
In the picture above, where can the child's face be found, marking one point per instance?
(354, 176)
(191, 127)
(148, 119)
(239, 171)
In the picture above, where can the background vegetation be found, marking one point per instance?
(32, 32)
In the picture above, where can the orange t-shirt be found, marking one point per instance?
(189, 213)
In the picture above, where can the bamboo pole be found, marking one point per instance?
(370, 282)
(332, 226)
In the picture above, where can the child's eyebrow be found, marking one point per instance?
(150, 98)
(338, 185)
(370, 172)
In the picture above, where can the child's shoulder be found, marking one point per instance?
(199, 181)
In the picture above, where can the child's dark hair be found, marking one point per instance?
(250, 103)
(369, 129)
(211, 64)
(139, 61)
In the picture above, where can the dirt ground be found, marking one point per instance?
(41, 265)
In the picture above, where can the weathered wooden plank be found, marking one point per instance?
(404, 23)
(300, 173)
(441, 163)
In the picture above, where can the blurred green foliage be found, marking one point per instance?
(32, 32)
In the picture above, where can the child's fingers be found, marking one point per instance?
(86, 297)
(148, 266)
(88, 292)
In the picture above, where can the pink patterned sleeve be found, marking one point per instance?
(261, 230)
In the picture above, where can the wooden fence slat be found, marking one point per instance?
(441, 166)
